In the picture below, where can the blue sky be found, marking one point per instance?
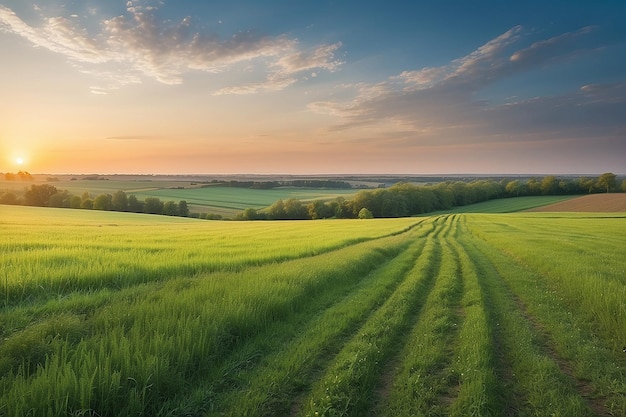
(168, 86)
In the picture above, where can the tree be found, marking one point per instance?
(249, 214)
(134, 205)
(170, 208)
(75, 202)
(183, 208)
(549, 185)
(624, 186)
(60, 199)
(444, 196)
(607, 181)
(119, 201)
(276, 211)
(392, 204)
(319, 210)
(341, 208)
(103, 202)
(39, 195)
(294, 210)
(513, 188)
(87, 204)
(365, 214)
(8, 198)
(533, 186)
(25, 176)
(153, 205)
(586, 185)
(461, 194)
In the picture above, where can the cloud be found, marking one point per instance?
(556, 47)
(322, 57)
(284, 71)
(136, 45)
(437, 105)
(273, 83)
(577, 114)
(55, 34)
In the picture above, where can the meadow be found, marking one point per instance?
(117, 314)
(202, 198)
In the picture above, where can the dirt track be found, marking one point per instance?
(604, 203)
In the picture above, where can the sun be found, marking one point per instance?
(19, 160)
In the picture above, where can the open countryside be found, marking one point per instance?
(116, 314)
(202, 196)
(298, 198)
(312, 209)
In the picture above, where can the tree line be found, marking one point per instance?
(406, 199)
(399, 200)
(21, 175)
(46, 195)
(267, 185)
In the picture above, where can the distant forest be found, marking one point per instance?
(406, 199)
(267, 185)
(399, 200)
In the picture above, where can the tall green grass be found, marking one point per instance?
(116, 314)
(66, 251)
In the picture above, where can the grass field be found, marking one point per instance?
(225, 201)
(508, 205)
(113, 314)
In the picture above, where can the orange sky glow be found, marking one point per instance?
(152, 87)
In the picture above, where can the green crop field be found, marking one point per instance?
(117, 314)
(215, 199)
(508, 205)
(228, 201)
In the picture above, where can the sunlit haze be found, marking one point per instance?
(324, 87)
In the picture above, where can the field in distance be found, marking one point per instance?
(117, 314)
(201, 195)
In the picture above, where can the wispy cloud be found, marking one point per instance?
(136, 45)
(439, 105)
(284, 71)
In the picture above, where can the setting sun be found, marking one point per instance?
(19, 161)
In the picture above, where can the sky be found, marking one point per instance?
(313, 87)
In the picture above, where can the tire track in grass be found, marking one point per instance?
(584, 388)
(287, 353)
(549, 345)
(347, 385)
(573, 336)
(539, 387)
(425, 382)
(386, 380)
(282, 376)
(478, 391)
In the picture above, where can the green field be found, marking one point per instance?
(227, 201)
(112, 314)
(508, 205)
(215, 199)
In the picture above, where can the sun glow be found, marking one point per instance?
(19, 161)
